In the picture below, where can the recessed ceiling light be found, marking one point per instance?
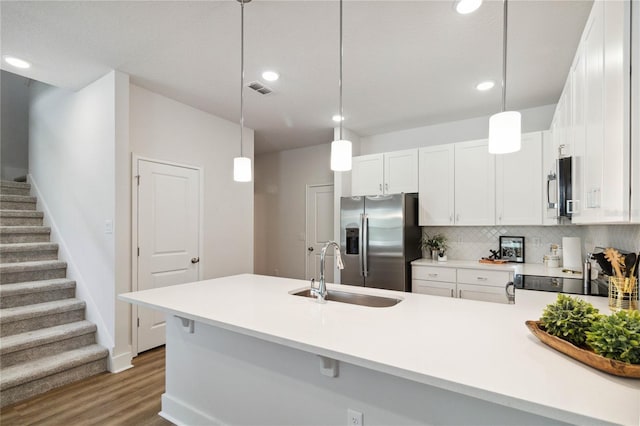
(337, 118)
(270, 75)
(485, 85)
(464, 7)
(16, 62)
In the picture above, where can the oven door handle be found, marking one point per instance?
(510, 291)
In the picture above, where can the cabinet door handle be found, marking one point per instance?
(460, 294)
(451, 292)
(386, 186)
(380, 186)
(570, 206)
(457, 218)
(433, 275)
(450, 218)
(481, 278)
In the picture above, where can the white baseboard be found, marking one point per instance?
(180, 413)
(120, 363)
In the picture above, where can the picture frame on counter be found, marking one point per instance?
(512, 249)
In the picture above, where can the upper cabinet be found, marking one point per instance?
(388, 173)
(436, 185)
(635, 118)
(592, 119)
(518, 182)
(474, 184)
(601, 137)
(457, 184)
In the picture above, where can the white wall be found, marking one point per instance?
(14, 125)
(72, 166)
(281, 179)
(533, 119)
(164, 129)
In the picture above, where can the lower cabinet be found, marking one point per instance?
(474, 284)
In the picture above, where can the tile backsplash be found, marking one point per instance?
(474, 242)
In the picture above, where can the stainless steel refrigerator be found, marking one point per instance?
(379, 237)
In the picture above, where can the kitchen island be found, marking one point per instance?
(243, 350)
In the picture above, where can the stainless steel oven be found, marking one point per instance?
(599, 287)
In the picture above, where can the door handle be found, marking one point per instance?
(365, 245)
(360, 245)
(310, 249)
(195, 259)
(550, 177)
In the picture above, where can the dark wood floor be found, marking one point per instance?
(128, 398)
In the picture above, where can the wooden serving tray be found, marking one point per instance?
(588, 357)
(493, 261)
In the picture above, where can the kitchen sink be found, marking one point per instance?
(354, 298)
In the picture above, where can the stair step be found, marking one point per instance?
(21, 319)
(32, 271)
(17, 202)
(14, 188)
(28, 252)
(36, 344)
(34, 292)
(24, 234)
(21, 218)
(28, 379)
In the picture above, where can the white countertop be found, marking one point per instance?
(516, 268)
(475, 348)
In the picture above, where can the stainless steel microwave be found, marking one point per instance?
(559, 193)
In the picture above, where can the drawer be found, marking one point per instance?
(484, 277)
(433, 273)
(434, 288)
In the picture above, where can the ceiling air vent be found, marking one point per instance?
(260, 88)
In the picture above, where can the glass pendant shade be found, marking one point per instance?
(504, 132)
(341, 155)
(242, 169)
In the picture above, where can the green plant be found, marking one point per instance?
(436, 242)
(617, 336)
(569, 319)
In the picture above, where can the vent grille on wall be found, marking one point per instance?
(259, 87)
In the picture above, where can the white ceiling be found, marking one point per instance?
(406, 63)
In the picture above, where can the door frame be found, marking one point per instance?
(306, 215)
(135, 158)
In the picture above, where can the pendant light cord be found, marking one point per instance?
(340, 81)
(504, 59)
(241, 72)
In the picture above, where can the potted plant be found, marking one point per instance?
(436, 245)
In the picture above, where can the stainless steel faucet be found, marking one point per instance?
(320, 292)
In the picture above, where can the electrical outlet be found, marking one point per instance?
(355, 418)
(537, 241)
(108, 226)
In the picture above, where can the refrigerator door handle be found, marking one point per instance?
(365, 245)
(360, 245)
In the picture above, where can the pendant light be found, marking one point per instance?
(341, 148)
(504, 127)
(242, 165)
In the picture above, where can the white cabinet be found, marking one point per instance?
(635, 119)
(436, 185)
(600, 104)
(482, 293)
(474, 184)
(387, 173)
(518, 185)
(367, 175)
(474, 284)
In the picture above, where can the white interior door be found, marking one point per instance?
(168, 233)
(319, 230)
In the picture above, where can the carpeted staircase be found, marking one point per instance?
(45, 341)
